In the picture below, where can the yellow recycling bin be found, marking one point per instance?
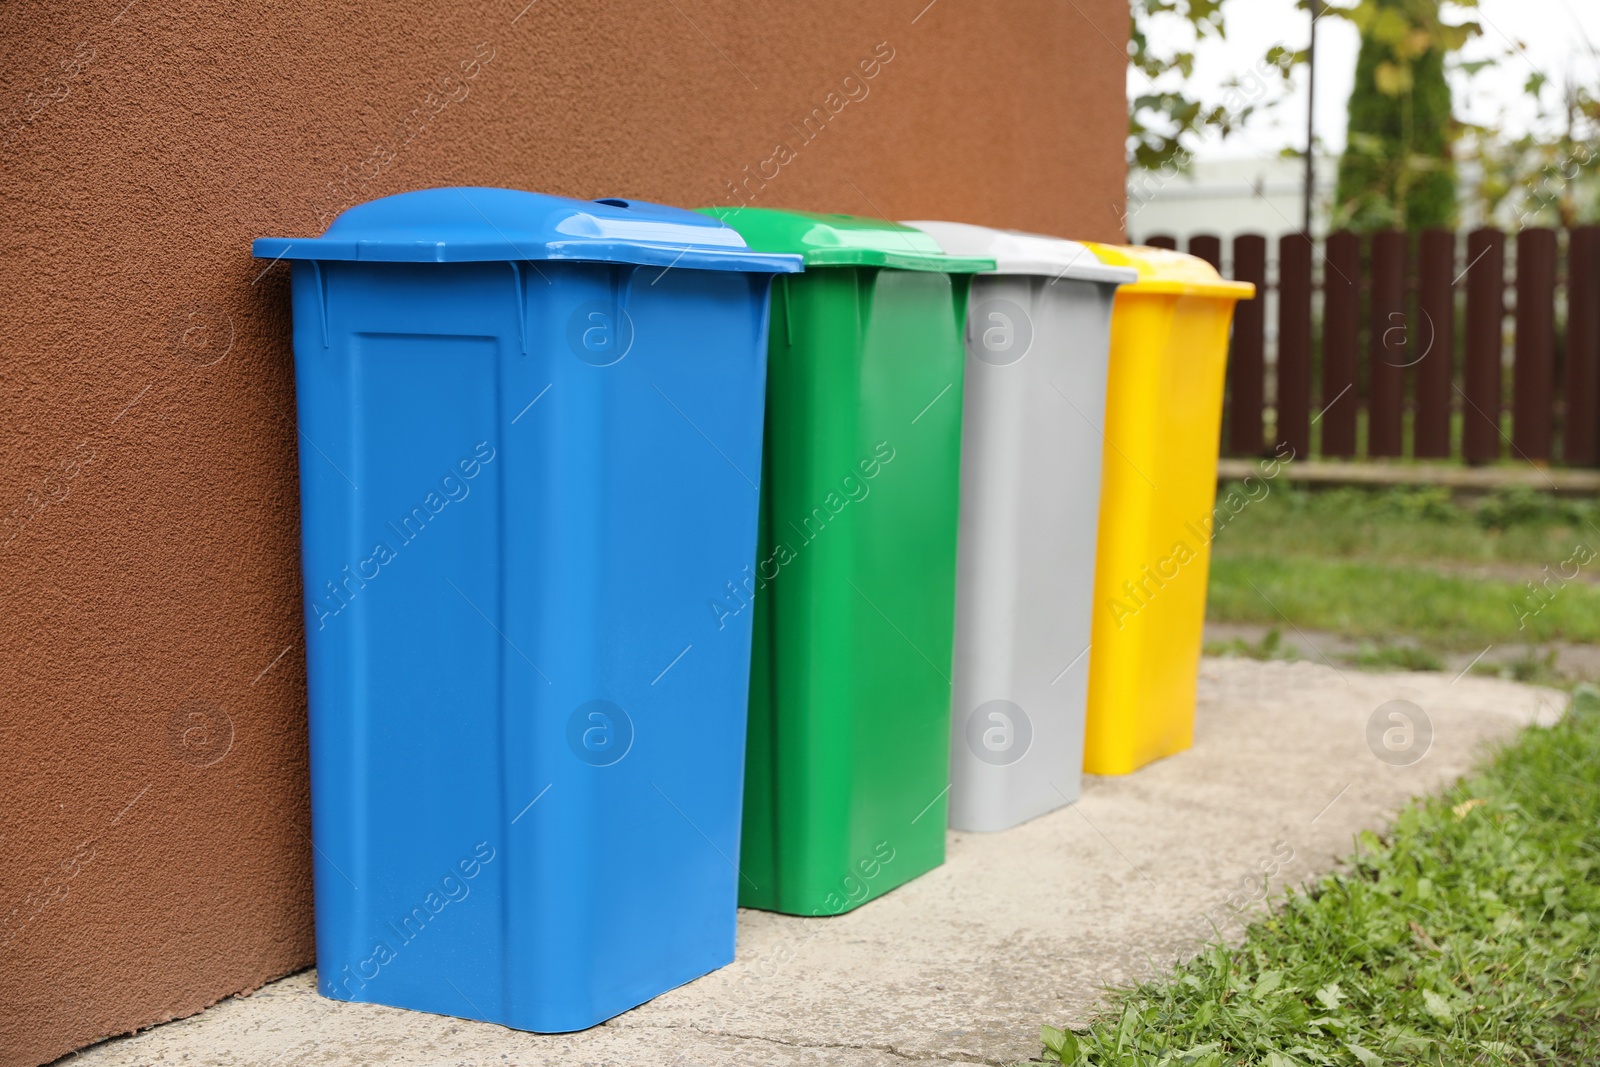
(1158, 485)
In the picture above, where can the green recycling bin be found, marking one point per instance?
(853, 588)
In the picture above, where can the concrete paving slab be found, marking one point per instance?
(1016, 929)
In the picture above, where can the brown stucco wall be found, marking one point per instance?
(153, 798)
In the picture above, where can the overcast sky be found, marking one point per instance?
(1557, 37)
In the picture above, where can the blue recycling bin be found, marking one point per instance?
(530, 446)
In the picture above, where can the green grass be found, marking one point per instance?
(1379, 564)
(1469, 934)
(1370, 600)
(1375, 656)
(1397, 658)
(1394, 526)
(1270, 646)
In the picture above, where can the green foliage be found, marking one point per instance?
(1522, 506)
(1468, 934)
(1166, 123)
(1541, 178)
(1397, 171)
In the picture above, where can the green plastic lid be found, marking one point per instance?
(843, 240)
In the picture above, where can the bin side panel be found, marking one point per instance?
(1031, 459)
(528, 722)
(798, 801)
(1158, 491)
(641, 502)
(759, 827)
(912, 368)
(864, 440)
(400, 489)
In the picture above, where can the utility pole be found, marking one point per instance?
(1315, 7)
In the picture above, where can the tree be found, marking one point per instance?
(1166, 123)
(1549, 176)
(1397, 169)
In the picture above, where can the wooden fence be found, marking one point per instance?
(1432, 346)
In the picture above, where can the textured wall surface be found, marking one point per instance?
(154, 848)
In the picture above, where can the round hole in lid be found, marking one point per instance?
(613, 202)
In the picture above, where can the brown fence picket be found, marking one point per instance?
(1246, 359)
(1294, 342)
(1207, 246)
(1409, 334)
(1391, 340)
(1162, 240)
(1436, 334)
(1580, 443)
(1534, 369)
(1485, 320)
(1341, 314)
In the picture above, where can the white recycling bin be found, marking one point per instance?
(1038, 334)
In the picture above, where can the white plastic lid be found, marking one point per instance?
(1024, 253)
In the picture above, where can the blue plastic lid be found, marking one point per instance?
(474, 225)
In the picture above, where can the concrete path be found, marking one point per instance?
(1017, 929)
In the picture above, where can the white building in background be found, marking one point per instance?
(1226, 197)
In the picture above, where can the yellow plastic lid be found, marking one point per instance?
(1162, 270)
